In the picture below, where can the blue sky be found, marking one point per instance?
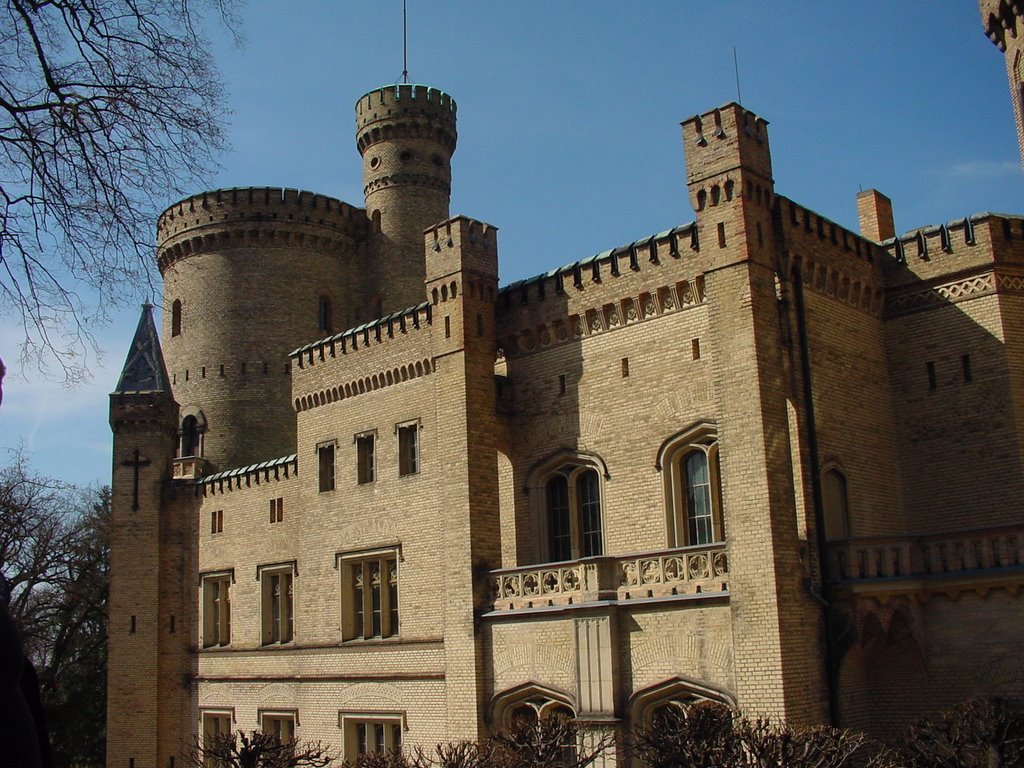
(569, 135)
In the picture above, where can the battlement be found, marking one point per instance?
(229, 208)
(461, 244)
(386, 365)
(253, 474)
(726, 139)
(1001, 17)
(403, 99)
(396, 109)
(375, 331)
(937, 250)
(611, 263)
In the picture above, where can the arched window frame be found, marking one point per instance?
(835, 502)
(699, 439)
(543, 700)
(191, 434)
(570, 468)
(644, 703)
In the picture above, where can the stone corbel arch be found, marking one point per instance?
(642, 704)
(541, 698)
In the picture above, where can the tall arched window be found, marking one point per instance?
(572, 508)
(176, 318)
(190, 437)
(325, 314)
(836, 505)
(693, 487)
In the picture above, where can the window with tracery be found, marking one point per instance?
(278, 617)
(369, 588)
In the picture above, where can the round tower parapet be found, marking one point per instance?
(249, 273)
(406, 135)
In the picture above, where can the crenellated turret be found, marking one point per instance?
(406, 135)
(247, 273)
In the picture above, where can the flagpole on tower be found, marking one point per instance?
(405, 42)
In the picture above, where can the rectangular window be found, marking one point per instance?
(279, 724)
(325, 457)
(965, 364)
(408, 449)
(276, 585)
(216, 609)
(366, 459)
(217, 521)
(276, 510)
(373, 733)
(932, 380)
(369, 589)
(215, 725)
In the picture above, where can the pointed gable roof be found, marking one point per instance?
(144, 369)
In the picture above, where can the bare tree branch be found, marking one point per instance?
(109, 109)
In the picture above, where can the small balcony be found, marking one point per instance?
(188, 468)
(937, 555)
(681, 571)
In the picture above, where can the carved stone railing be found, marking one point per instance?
(687, 570)
(188, 468)
(951, 553)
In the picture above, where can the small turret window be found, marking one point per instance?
(325, 314)
(176, 318)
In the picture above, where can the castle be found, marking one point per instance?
(364, 494)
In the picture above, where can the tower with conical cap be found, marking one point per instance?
(406, 136)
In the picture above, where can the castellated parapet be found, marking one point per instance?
(247, 272)
(406, 136)
(724, 140)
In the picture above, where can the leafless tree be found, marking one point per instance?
(258, 750)
(980, 733)
(556, 741)
(54, 552)
(109, 109)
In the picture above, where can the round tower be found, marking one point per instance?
(249, 275)
(406, 136)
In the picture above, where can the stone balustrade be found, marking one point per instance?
(188, 468)
(685, 570)
(893, 557)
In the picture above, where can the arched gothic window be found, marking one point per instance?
(675, 693)
(530, 701)
(572, 510)
(836, 505)
(693, 487)
(176, 318)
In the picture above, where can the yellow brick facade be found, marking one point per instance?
(756, 458)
